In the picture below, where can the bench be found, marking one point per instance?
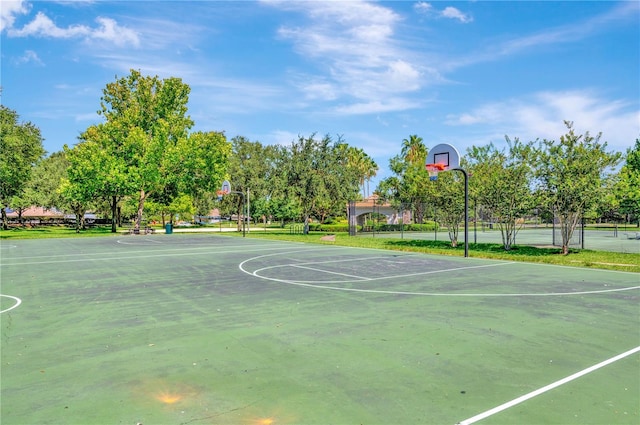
(146, 231)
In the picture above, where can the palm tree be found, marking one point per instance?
(413, 150)
(371, 169)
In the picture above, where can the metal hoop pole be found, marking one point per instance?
(466, 210)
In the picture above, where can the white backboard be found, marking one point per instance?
(444, 154)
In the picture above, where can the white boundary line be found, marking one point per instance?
(17, 300)
(128, 256)
(360, 278)
(143, 240)
(544, 389)
(327, 271)
(166, 248)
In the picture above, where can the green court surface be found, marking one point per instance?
(210, 329)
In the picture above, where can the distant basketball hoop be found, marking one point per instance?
(224, 190)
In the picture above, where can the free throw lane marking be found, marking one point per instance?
(549, 387)
(326, 284)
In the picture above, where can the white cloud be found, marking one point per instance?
(29, 56)
(542, 116)
(448, 12)
(377, 106)
(280, 137)
(43, 26)
(453, 13)
(356, 50)
(319, 90)
(423, 7)
(621, 13)
(8, 12)
(107, 30)
(403, 76)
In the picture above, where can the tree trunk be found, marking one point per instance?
(567, 227)
(306, 224)
(453, 234)
(114, 207)
(78, 221)
(5, 222)
(141, 200)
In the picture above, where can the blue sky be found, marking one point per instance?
(464, 73)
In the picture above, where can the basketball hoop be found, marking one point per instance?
(434, 169)
(224, 190)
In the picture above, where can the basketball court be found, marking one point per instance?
(215, 329)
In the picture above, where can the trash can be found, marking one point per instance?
(168, 228)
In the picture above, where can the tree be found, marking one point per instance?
(413, 150)
(106, 159)
(627, 187)
(252, 169)
(84, 181)
(410, 183)
(360, 163)
(20, 150)
(317, 178)
(193, 167)
(42, 187)
(501, 184)
(147, 117)
(448, 197)
(46, 180)
(569, 177)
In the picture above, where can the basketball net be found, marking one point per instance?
(221, 193)
(433, 170)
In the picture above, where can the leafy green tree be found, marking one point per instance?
(368, 170)
(195, 166)
(147, 117)
(84, 181)
(42, 187)
(252, 171)
(501, 184)
(181, 205)
(627, 187)
(357, 160)
(46, 179)
(448, 198)
(316, 177)
(107, 159)
(414, 150)
(569, 176)
(410, 184)
(282, 207)
(20, 150)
